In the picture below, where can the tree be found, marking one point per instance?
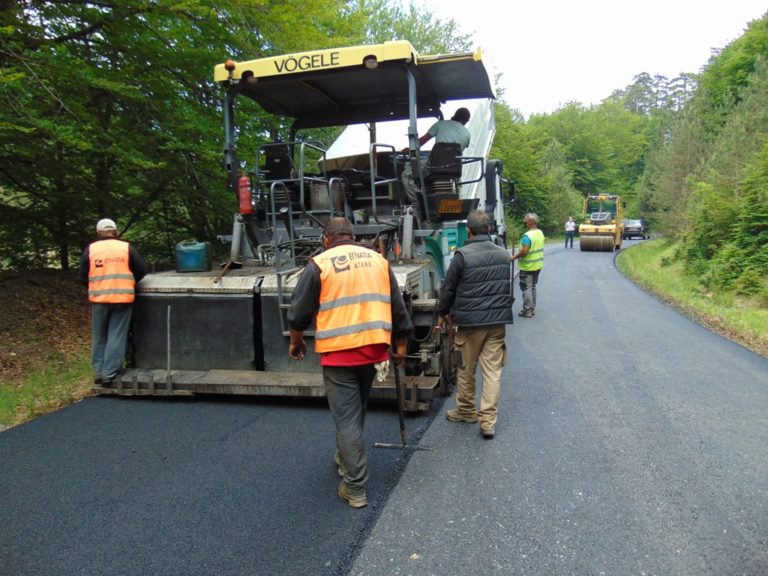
(729, 71)
(604, 145)
(705, 176)
(387, 20)
(562, 198)
(110, 110)
(516, 147)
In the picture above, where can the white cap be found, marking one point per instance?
(105, 224)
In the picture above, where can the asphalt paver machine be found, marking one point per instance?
(224, 331)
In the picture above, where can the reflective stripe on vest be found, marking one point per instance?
(355, 308)
(110, 280)
(534, 260)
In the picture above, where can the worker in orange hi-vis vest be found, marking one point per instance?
(110, 269)
(352, 295)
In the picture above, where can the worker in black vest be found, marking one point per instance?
(477, 294)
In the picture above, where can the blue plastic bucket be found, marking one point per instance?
(193, 256)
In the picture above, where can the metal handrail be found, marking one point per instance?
(374, 181)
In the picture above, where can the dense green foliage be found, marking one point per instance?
(709, 186)
(109, 109)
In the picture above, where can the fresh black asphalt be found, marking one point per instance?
(630, 441)
(182, 487)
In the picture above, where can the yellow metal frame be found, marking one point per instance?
(313, 60)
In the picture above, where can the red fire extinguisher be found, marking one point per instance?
(245, 194)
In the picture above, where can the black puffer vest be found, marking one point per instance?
(484, 294)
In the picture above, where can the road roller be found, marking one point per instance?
(602, 228)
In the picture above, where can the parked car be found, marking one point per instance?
(635, 229)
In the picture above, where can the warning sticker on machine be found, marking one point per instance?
(450, 207)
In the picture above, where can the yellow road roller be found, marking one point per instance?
(602, 229)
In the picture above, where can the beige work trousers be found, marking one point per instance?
(486, 345)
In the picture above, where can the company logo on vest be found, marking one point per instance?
(340, 263)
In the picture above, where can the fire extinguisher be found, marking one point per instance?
(245, 194)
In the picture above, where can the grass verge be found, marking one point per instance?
(44, 390)
(45, 336)
(652, 266)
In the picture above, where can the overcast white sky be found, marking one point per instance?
(552, 52)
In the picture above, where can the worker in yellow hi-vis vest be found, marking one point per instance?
(530, 262)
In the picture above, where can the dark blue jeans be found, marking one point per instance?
(347, 389)
(109, 334)
(568, 237)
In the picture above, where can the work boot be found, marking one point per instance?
(526, 313)
(115, 378)
(354, 500)
(456, 416)
(488, 433)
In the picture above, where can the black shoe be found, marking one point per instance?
(488, 433)
(118, 376)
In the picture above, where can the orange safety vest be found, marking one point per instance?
(355, 308)
(110, 280)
